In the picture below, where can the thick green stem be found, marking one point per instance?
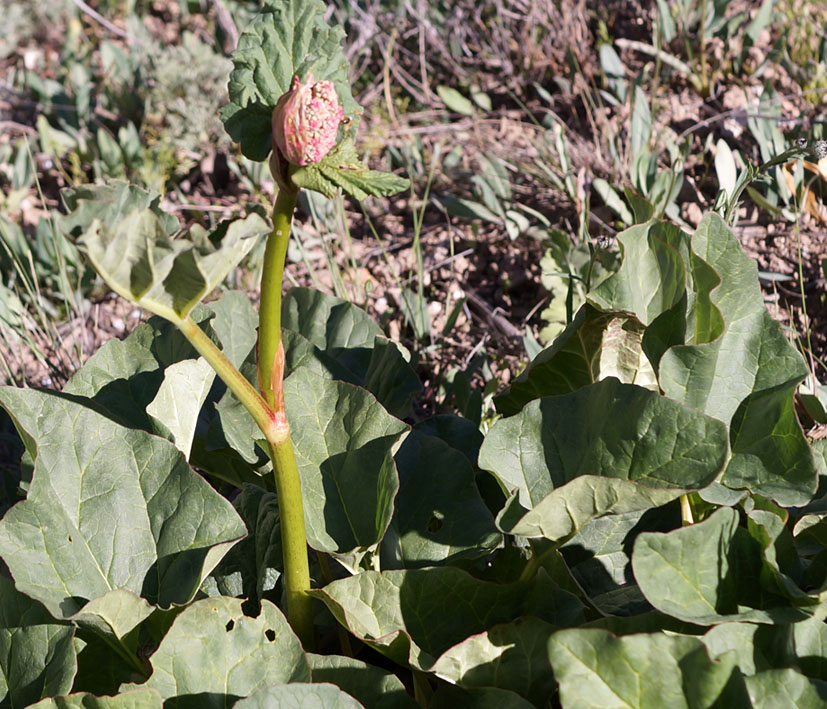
(285, 470)
(293, 538)
(269, 324)
(267, 410)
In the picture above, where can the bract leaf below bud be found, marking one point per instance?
(306, 121)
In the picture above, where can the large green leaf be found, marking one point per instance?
(569, 507)
(124, 376)
(414, 616)
(340, 341)
(770, 455)
(151, 380)
(747, 376)
(610, 429)
(37, 657)
(598, 557)
(460, 433)
(439, 516)
(235, 325)
(108, 508)
(449, 696)
(109, 203)
(214, 652)
(299, 696)
(140, 261)
(782, 570)
(330, 323)
(716, 349)
(288, 38)
(652, 277)
(253, 566)
(718, 367)
(597, 670)
(232, 426)
(140, 698)
(593, 346)
(511, 656)
(373, 687)
(759, 647)
(697, 574)
(648, 622)
(344, 442)
(785, 688)
(180, 398)
(115, 619)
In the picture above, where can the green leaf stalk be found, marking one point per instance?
(271, 377)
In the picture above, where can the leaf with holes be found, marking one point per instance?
(215, 653)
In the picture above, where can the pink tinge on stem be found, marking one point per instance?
(306, 121)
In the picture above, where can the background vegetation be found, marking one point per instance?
(520, 124)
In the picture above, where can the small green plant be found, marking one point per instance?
(695, 24)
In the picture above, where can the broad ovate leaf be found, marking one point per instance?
(124, 376)
(609, 429)
(570, 507)
(414, 616)
(235, 324)
(449, 696)
(330, 323)
(108, 508)
(167, 276)
(439, 515)
(747, 376)
(115, 618)
(179, 399)
(697, 574)
(214, 652)
(785, 688)
(511, 656)
(299, 696)
(253, 566)
(37, 656)
(233, 427)
(598, 558)
(373, 687)
(652, 277)
(759, 647)
(460, 433)
(596, 670)
(109, 203)
(141, 698)
(288, 38)
(716, 349)
(344, 442)
(340, 341)
(593, 346)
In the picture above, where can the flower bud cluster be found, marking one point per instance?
(306, 121)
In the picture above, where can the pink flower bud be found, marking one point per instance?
(306, 121)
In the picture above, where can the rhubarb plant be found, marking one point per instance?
(239, 507)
